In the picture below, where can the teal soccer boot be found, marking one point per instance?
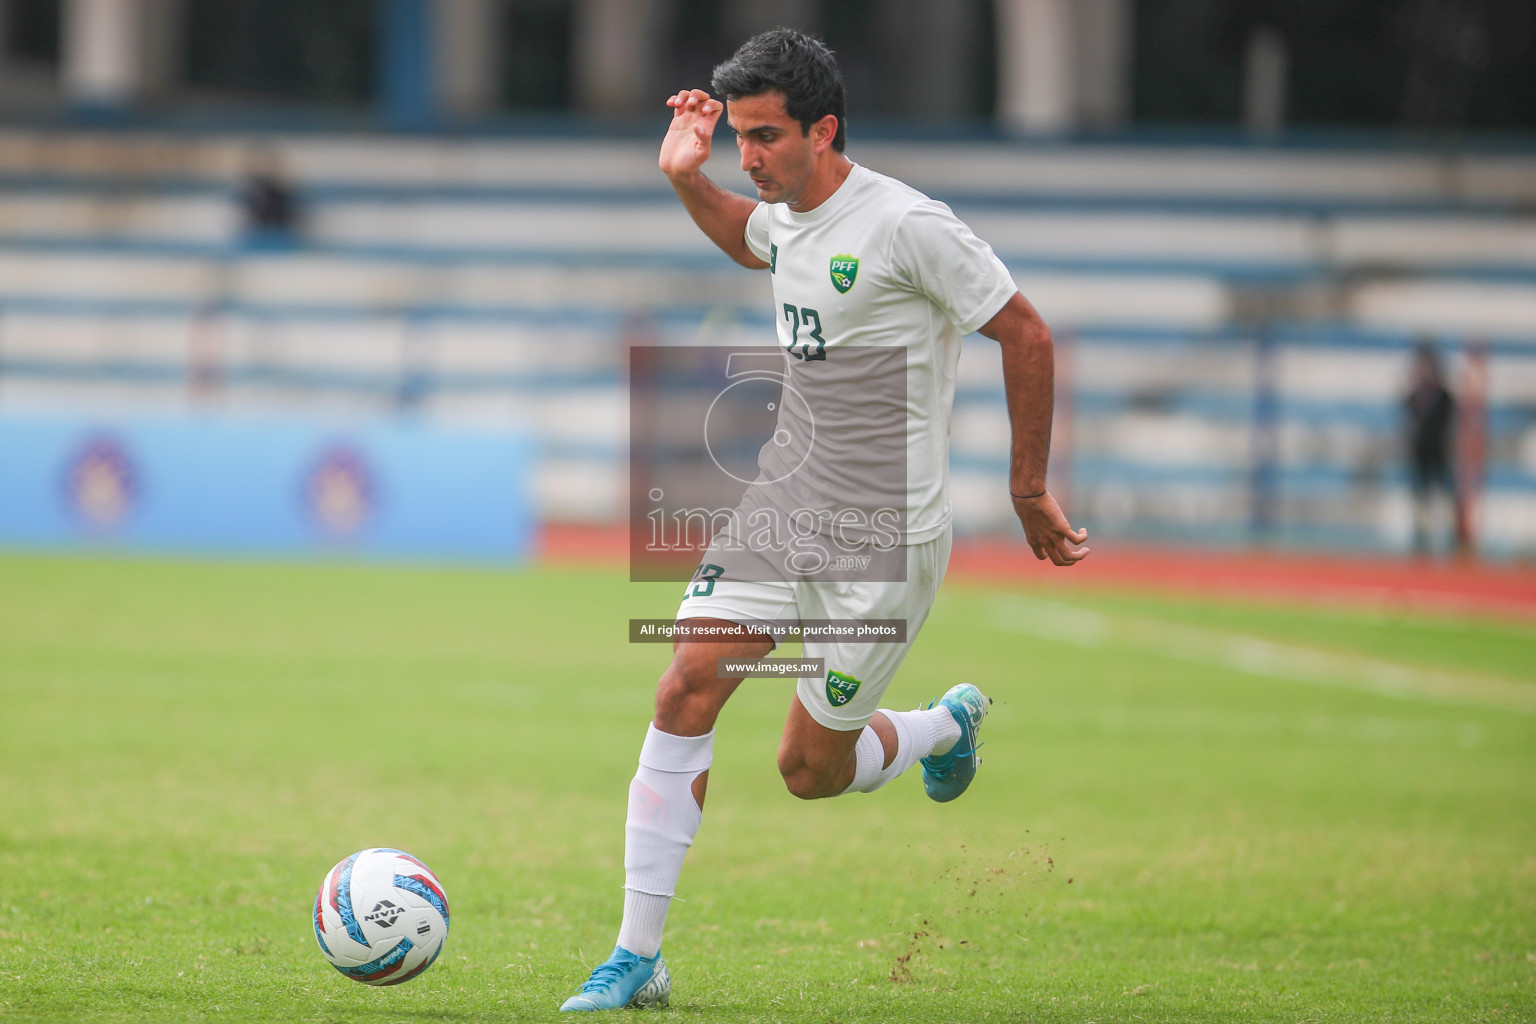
(624, 979)
(946, 776)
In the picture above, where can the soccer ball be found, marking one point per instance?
(381, 917)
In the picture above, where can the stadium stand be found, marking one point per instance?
(1234, 323)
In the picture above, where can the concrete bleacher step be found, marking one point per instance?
(1272, 174)
(656, 229)
(112, 284)
(112, 215)
(76, 277)
(73, 281)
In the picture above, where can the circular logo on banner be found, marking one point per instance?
(101, 485)
(339, 492)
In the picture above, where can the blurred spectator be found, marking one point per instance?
(269, 204)
(1431, 412)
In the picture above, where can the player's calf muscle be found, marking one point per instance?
(691, 692)
(687, 709)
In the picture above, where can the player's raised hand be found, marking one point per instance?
(1048, 532)
(687, 143)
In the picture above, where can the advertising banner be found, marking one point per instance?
(253, 487)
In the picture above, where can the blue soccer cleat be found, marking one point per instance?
(946, 776)
(624, 979)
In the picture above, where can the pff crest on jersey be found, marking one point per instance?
(845, 270)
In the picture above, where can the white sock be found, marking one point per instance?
(918, 734)
(868, 756)
(662, 821)
(935, 727)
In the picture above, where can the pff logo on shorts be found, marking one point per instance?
(841, 688)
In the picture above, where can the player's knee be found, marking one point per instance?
(805, 780)
(803, 784)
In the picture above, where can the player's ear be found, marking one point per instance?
(822, 133)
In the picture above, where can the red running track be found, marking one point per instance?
(1457, 587)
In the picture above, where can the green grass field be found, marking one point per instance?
(1189, 811)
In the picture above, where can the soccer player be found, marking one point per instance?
(912, 276)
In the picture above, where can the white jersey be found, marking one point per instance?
(880, 264)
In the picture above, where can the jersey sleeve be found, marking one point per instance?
(757, 232)
(944, 260)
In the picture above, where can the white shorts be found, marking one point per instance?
(857, 673)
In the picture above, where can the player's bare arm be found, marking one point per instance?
(1029, 379)
(720, 213)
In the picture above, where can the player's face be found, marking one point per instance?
(776, 152)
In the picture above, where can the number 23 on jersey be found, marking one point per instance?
(810, 320)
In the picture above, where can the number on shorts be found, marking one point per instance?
(706, 576)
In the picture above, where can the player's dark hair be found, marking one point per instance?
(795, 64)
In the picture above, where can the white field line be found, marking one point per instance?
(1082, 627)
